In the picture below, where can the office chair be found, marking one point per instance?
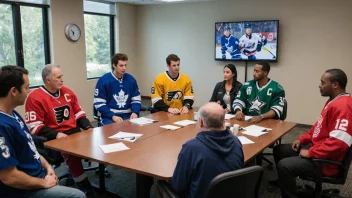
(242, 183)
(283, 117)
(319, 178)
(53, 157)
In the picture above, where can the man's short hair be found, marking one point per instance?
(11, 76)
(339, 76)
(172, 57)
(116, 57)
(47, 71)
(212, 120)
(265, 66)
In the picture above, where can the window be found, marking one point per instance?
(99, 37)
(24, 38)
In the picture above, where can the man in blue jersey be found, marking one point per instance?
(23, 171)
(117, 95)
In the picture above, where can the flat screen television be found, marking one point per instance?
(246, 40)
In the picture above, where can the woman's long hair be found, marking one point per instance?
(234, 71)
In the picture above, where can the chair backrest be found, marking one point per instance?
(243, 183)
(346, 164)
(53, 157)
(284, 111)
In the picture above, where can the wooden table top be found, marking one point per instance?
(156, 152)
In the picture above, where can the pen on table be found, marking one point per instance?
(127, 137)
(264, 130)
(240, 128)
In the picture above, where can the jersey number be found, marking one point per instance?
(96, 92)
(341, 124)
(30, 116)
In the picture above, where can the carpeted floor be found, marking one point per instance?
(123, 182)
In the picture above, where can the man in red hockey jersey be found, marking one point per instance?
(329, 138)
(53, 111)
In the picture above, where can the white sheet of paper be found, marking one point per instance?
(256, 128)
(126, 136)
(245, 140)
(170, 127)
(247, 118)
(229, 116)
(254, 133)
(109, 148)
(185, 122)
(142, 121)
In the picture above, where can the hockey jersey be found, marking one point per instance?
(251, 44)
(331, 135)
(115, 96)
(254, 100)
(17, 149)
(172, 92)
(58, 112)
(231, 45)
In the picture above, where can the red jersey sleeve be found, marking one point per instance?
(340, 135)
(34, 115)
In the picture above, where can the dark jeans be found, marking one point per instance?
(289, 165)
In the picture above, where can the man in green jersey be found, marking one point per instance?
(261, 97)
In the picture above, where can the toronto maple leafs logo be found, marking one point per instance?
(62, 113)
(121, 99)
(256, 105)
(32, 146)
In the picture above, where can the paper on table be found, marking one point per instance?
(185, 122)
(142, 121)
(170, 127)
(256, 128)
(229, 116)
(245, 140)
(130, 137)
(247, 118)
(254, 133)
(108, 148)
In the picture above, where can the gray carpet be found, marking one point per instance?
(123, 182)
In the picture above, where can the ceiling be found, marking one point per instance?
(146, 2)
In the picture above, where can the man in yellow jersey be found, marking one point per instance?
(172, 91)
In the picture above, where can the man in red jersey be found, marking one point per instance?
(53, 111)
(329, 138)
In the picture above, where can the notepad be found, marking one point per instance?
(255, 130)
(170, 127)
(245, 140)
(126, 136)
(142, 121)
(185, 122)
(109, 148)
(247, 118)
(229, 116)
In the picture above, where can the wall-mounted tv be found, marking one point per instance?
(246, 40)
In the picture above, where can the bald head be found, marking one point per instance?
(213, 115)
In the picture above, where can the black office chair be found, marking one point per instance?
(283, 117)
(242, 183)
(54, 158)
(319, 178)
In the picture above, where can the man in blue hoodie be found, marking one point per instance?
(214, 151)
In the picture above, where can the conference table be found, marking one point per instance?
(155, 153)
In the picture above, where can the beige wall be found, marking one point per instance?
(71, 56)
(314, 36)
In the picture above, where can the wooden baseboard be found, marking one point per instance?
(146, 97)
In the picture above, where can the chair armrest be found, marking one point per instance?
(166, 190)
(320, 162)
(39, 140)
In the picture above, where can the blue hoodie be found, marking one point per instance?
(203, 158)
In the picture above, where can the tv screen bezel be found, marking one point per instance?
(277, 41)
